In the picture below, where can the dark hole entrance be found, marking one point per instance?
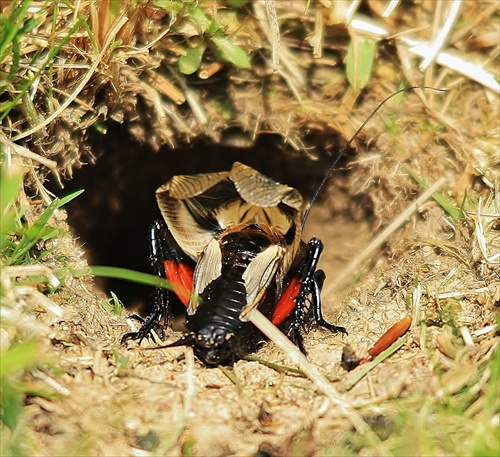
(111, 218)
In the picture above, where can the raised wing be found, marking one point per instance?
(199, 207)
(202, 210)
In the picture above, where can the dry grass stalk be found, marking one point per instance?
(381, 238)
(320, 381)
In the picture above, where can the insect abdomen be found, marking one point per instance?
(217, 331)
(221, 303)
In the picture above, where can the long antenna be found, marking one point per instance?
(346, 146)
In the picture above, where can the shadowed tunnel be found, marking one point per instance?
(111, 218)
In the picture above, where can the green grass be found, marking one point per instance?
(455, 213)
(14, 28)
(359, 61)
(20, 250)
(21, 247)
(462, 423)
(14, 362)
(24, 247)
(113, 305)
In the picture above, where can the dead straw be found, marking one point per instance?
(321, 382)
(56, 113)
(381, 238)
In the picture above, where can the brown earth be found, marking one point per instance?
(119, 400)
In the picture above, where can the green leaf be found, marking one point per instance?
(198, 16)
(190, 62)
(11, 181)
(38, 230)
(237, 3)
(11, 404)
(14, 361)
(18, 357)
(231, 52)
(171, 6)
(446, 204)
(359, 61)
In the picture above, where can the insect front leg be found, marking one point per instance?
(310, 292)
(161, 250)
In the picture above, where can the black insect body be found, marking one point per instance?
(231, 241)
(217, 333)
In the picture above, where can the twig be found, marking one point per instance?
(321, 382)
(381, 238)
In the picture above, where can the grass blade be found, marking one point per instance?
(127, 275)
(39, 229)
(455, 213)
(380, 358)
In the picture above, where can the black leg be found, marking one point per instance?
(162, 247)
(310, 292)
(319, 279)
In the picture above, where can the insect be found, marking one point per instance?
(233, 239)
(230, 242)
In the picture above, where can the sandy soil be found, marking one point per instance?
(118, 400)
